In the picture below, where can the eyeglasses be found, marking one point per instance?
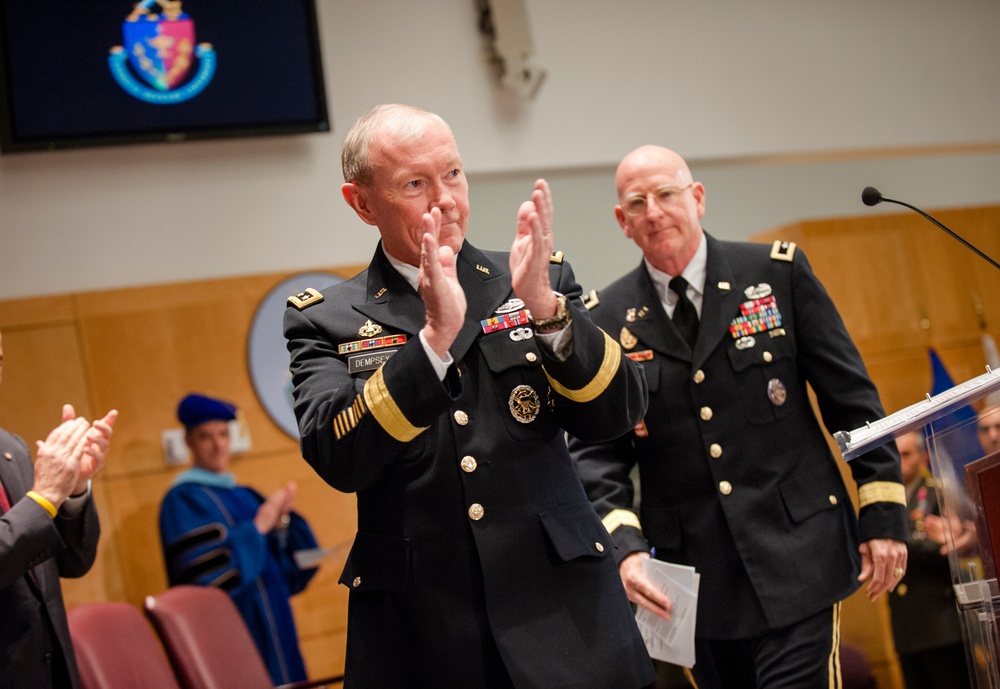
(665, 197)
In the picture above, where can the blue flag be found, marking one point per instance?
(954, 432)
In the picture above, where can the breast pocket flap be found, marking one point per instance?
(575, 531)
(377, 562)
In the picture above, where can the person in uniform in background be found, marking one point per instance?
(925, 621)
(735, 474)
(437, 385)
(988, 429)
(217, 533)
(48, 529)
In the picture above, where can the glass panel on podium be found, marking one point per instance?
(968, 494)
(968, 483)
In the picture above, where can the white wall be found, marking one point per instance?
(785, 109)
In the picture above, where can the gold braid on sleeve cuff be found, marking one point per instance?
(599, 383)
(615, 518)
(387, 412)
(881, 491)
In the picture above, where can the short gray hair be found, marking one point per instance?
(404, 122)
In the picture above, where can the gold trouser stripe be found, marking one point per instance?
(833, 663)
(609, 367)
(835, 681)
(387, 412)
(881, 491)
(615, 518)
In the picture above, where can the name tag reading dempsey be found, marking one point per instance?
(368, 362)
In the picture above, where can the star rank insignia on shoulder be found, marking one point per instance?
(306, 298)
(782, 251)
(556, 257)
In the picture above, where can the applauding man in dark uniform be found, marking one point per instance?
(437, 385)
(736, 477)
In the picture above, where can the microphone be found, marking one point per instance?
(871, 196)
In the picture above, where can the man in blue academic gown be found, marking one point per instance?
(216, 533)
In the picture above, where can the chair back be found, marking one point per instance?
(206, 639)
(116, 648)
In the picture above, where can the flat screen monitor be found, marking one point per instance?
(107, 72)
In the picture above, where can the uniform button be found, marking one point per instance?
(833, 499)
(725, 487)
(715, 450)
(901, 590)
(530, 356)
(357, 582)
(469, 464)
(768, 357)
(476, 512)
(706, 413)
(461, 418)
(600, 547)
(699, 376)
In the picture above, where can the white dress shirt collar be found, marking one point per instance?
(694, 272)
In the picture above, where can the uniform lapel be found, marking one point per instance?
(721, 300)
(486, 286)
(392, 302)
(654, 328)
(389, 299)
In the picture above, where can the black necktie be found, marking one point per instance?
(685, 315)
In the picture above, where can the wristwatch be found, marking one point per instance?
(560, 320)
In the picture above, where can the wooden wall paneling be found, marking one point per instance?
(902, 377)
(130, 523)
(324, 657)
(42, 371)
(949, 290)
(868, 624)
(27, 312)
(860, 261)
(147, 347)
(981, 227)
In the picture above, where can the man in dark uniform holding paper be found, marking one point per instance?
(735, 474)
(478, 560)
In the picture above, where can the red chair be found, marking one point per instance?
(208, 642)
(116, 648)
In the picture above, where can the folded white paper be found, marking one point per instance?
(672, 640)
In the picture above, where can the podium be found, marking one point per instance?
(968, 487)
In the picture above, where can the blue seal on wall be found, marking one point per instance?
(267, 352)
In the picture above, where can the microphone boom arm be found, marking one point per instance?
(872, 196)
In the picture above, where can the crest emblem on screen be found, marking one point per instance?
(159, 61)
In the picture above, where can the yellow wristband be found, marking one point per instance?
(49, 507)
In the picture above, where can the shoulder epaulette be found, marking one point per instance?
(590, 299)
(782, 251)
(306, 298)
(556, 257)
